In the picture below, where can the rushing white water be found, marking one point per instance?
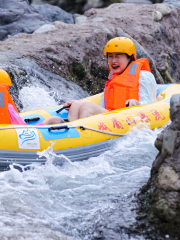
(35, 98)
(86, 200)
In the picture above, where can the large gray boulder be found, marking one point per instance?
(54, 13)
(18, 16)
(75, 51)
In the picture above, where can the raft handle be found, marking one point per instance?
(31, 119)
(59, 110)
(82, 128)
(58, 128)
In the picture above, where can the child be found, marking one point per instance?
(130, 82)
(8, 111)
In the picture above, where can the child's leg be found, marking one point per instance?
(80, 109)
(53, 120)
(88, 109)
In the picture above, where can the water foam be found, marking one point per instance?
(85, 199)
(35, 98)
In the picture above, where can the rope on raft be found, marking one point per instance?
(56, 127)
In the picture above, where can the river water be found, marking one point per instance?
(93, 199)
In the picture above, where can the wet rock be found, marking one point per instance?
(148, 37)
(174, 112)
(168, 142)
(164, 212)
(163, 203)
(75, 15)
(45, 28)
(26, 73)
(164, 9)
(17, 75)
(18, 16)
(80, 19)
(175, 106)
(54, 13)
(157, 16)
(159, 141)
(168, 179)
(53, 57)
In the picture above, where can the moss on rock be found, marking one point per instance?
(167, 77)
(80, 69)
(164, 212)
(100, 71)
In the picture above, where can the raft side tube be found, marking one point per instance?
(53, 111)
(161, 87)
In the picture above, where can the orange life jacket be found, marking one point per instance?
(5, 98)
(125, 86)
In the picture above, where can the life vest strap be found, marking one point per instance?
(5, 98)
(2, 104)
(133, 68)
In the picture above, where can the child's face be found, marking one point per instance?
(117, 62)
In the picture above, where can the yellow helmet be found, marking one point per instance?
(121, 45)
(5, 78)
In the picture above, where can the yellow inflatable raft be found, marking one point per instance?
(80, 139)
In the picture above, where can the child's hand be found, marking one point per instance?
(132, 102)
(68, 103)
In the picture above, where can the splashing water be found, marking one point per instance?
(89, 200)
(35, 98)
(86, 200)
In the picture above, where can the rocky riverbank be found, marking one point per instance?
(160, 198)
(75, 51)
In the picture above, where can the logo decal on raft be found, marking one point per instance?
(27, 135)
(158, 116)
(117, 123)
(28, 138)
(103, 127)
